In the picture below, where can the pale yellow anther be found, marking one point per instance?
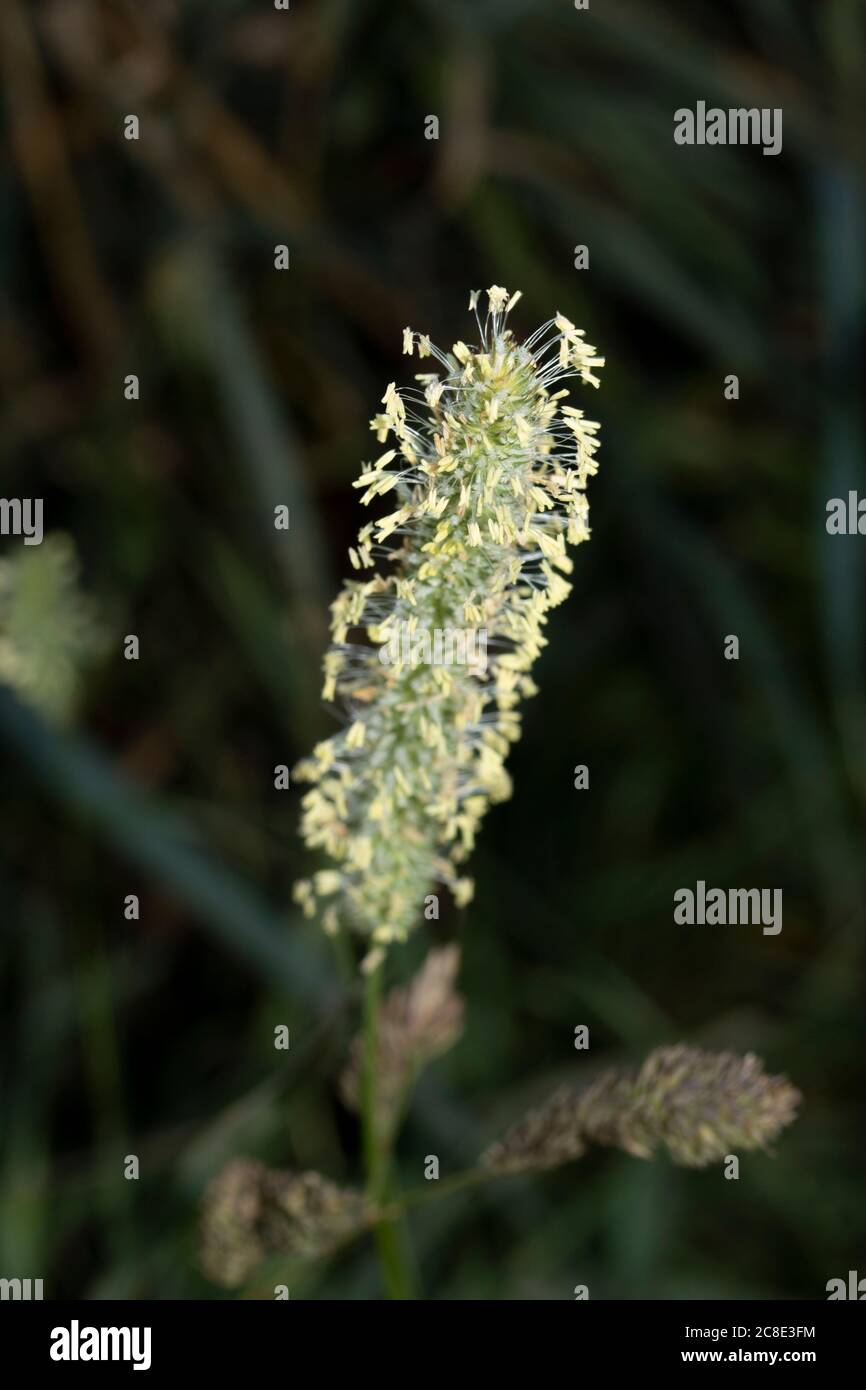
(355, 736)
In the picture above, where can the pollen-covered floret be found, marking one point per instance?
(485, 475)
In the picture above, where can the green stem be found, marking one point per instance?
(390, 1235)
(433, 1191)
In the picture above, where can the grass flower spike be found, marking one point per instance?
(418, 1023)
(697, 1105)
(251, 1212)
(434, 640)
(50, 631)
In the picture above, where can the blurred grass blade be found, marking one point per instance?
(83, 781)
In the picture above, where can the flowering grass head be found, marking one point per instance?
(486, 469)
(696, 1105)
(50, 631)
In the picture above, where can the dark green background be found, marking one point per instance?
(306, 128)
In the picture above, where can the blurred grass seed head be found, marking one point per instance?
(699, 1106)
(49, 630)
(417, 1023)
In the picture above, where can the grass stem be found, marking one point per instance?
(390, 1235)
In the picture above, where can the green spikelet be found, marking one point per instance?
(48, 628)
